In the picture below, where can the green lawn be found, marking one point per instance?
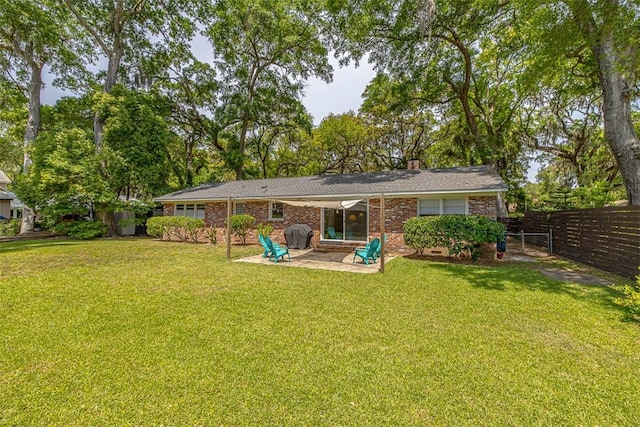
(141, 332)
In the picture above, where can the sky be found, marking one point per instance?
(344, 93)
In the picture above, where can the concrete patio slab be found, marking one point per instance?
(311, 258)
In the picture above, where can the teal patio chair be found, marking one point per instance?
(367, 253)
(377, 255)
(333, 234)
(267, 251)
(384, 236)
(277, 251)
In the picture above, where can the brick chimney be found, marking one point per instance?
(413, 165)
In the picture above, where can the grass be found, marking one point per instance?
(141, 332)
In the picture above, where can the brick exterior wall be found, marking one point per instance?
(397, 211)
(216, 214)
(486, 206)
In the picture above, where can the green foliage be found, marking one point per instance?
(10, 228)
(65, 176)
(461, 234)
(631, 296)
(13, 118)
(340, 145)
(264, 51)
(264, 229)
(68, 174)
(180, 228)
(136, 136)
(241, 225)
(82, 230)
(212, 234)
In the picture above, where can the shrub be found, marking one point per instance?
(212, 234)
(241, 225)
(264, 229)
(83, 230)
(182, 228)
(461, 234)
(10, 228)
(631, 296)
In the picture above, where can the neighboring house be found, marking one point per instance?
(16, 208)
(344, 210)
(6, 197)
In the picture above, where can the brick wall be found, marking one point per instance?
(216, 214)
(396, 213)
(167, 209)
(486, 206)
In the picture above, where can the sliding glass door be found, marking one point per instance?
(346, 224)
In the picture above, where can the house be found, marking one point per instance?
(6, 197)
(344, 210)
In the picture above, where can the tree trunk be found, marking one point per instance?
(618, 126)
(104, 215)
(243, 136)
(110, 81)
(30, 134)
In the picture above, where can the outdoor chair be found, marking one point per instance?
(276, 250)
(267, 251)
(366, 247)
(367, 253)
(333, 234)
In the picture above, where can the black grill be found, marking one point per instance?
(298, 236)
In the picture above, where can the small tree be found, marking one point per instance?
(241, 225)
(264, 230)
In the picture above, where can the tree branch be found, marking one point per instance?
(89, 28)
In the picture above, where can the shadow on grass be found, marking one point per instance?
(19, 246)
(527, 278)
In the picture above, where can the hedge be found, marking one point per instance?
(461, 234)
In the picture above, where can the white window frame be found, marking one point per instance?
(271, 218)
(195, 212)
(441, 202)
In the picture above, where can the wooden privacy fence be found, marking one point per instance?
(606, 238)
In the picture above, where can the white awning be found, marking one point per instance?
(330, 204)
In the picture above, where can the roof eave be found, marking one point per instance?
(351, 196)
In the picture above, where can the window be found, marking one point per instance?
(276, 211)
(346, 224)
(239, 209)
(454, 206)
(190, 210)
(428, 207)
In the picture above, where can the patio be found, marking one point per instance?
(312, 258)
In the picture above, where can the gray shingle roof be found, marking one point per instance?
(6, 195)
(396, 182)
